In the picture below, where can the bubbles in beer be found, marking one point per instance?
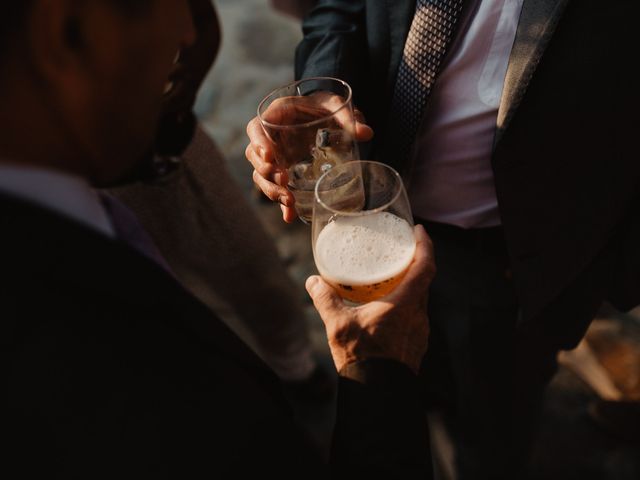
(364, 250)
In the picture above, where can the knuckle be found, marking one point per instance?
(251, 126)
(325, 298)
(267, 188)
(270, 194)
(261, 181)
(338, 332)
(264, 169)
(248, 151)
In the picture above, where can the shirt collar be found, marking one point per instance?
(67, 194)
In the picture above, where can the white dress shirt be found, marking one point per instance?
(60, 192)
(451, 176)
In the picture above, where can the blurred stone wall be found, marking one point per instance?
(256, 57)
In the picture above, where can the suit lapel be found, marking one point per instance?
(538, 21)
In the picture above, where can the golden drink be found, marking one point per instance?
(365, 257)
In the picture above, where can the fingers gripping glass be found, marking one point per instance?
(362, 230)
(312, 128)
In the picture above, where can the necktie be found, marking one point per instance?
(430, 34)
(129, 230)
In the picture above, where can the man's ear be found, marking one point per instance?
(56, 41)
(74, 47)
(74, 42)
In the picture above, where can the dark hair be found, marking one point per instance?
(11, 19)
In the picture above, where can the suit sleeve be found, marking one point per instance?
(381, 425)
(625, 287)
(335, 42)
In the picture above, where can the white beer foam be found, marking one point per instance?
(366, 249)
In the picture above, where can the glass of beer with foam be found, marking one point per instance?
(362, 230)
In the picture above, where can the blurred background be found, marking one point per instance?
(255, 58)
(577, 441)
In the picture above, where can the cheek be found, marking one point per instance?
(133, 103)
(125, 121)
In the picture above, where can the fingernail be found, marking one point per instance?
(311, 283)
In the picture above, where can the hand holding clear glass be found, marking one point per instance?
(312, 128)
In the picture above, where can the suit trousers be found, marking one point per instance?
(485, 378)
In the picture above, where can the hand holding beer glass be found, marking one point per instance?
(362, 230)
(366, 250)
(302, 130)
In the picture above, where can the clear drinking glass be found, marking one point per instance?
(312, 128)
(362, 230)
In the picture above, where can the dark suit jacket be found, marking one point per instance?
(566, 163)
(110, 370)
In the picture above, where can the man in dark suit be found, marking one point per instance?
(110, 368)
(524, 170)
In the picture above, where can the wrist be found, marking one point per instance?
(378, 371)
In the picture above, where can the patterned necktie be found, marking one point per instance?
(431, 31)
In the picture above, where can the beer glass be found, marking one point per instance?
(312, 128)
(362, 230)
